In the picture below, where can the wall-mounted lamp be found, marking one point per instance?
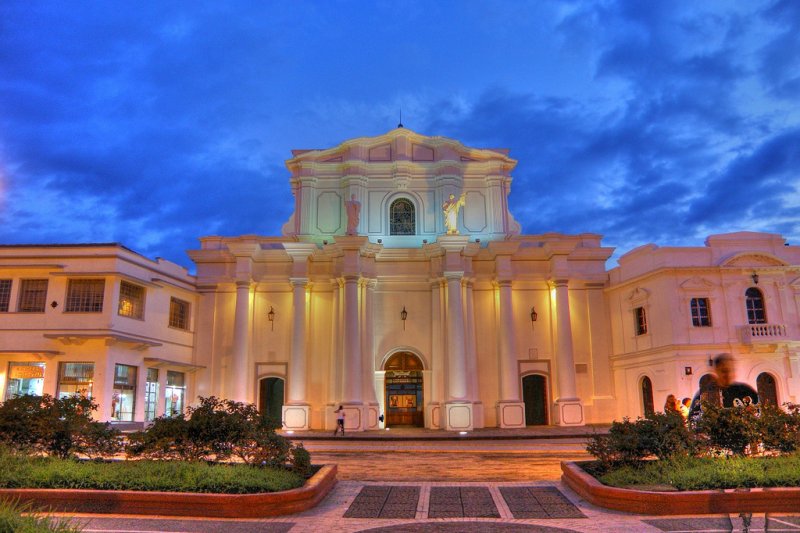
(271, 317)
(755, 277)
(687, 370)
(534, 315)
(403, 316)
(54, 304)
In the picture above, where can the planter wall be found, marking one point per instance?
(181, 503)
(769, 500)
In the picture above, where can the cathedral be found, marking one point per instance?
(401, 289)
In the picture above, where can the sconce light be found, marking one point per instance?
(271, 317)
(403, 316)
(534, 315)
(687, 370)
(755, 278)
(54, 304)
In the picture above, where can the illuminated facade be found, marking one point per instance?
(373, 300)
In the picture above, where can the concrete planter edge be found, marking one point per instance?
(180, 503)
(756, 500)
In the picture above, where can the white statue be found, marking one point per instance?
(450, 208)
(353, 209)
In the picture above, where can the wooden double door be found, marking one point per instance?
(403, 400)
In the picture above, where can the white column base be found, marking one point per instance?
(458, 416)
(510, 414)
(433, 416)
(355, 417)
(569, 412)
(296, 417)
(372, 411)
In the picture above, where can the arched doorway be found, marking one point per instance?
(270, 398)
(646, 387)
(534, 394)
(767, 390)
(403, 390)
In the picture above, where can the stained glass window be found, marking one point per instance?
(402, 220)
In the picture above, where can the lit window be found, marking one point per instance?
(756, 314)
(75, 378)
(123, 398)
(85, 296)
(151, 394)
(178, 313)
(174, 393)
(131, 300)
(641, 320)
(32, 295)
(700, 314)
(5, 295)
(25, 378)
(402, 218)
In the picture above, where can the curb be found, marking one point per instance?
(721, 501)
(180, 503)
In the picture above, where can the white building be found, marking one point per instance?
(481, 327)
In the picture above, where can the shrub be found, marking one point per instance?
(301, 460)
(779, 430)
(55, 426)
(729, 429)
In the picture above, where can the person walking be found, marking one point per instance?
(722, 390)
(339, 421)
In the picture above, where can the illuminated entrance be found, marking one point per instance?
(403, 391)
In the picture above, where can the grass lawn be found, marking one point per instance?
(17, 471)
(693, 473)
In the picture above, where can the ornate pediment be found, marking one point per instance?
(697, 283)
(750, 259)
(638, 294)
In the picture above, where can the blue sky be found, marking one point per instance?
(153, 123)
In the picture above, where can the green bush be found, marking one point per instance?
(215, 430)
(779, 430)
(733, 430)
(62, 427)
(16, 517)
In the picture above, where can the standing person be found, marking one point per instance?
(672, 405)
(685, 404)
(722, 390)
(339, 421)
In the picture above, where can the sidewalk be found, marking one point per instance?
(408, 434)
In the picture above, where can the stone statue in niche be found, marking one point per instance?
(451, 208)
(353, 209)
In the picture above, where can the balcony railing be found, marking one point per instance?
(753, 333)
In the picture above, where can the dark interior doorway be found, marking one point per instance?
(534, 394)
(270, 398)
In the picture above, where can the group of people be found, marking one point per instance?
(720, 390)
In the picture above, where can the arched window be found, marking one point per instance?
(647, 396)
(756, 314)
(402, 219)
(767, 391)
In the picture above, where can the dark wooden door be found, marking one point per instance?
(534, 394)
(767, 391)
(270, 398)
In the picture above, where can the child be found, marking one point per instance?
(339, 421)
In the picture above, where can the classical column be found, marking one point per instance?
(241, 338)
(297, 362)
(367, 352)
(458, 407)
(472, 354)
(570, 409)
(434, 379)
(510, 410)
(352, 343)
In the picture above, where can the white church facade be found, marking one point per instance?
(401, 289)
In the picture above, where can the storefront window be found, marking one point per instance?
(123, 399)
(25, 378)
(175, 392)
(75, 378)
(151, 394)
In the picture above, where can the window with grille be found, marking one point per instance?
(756, 314)
(402, 220)
(123, 399)
(700, 312)
(641, 320)
(178, 313)
(75, 378)
(85, 296)
(5, 295)
(32, 295)
(131, 300)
